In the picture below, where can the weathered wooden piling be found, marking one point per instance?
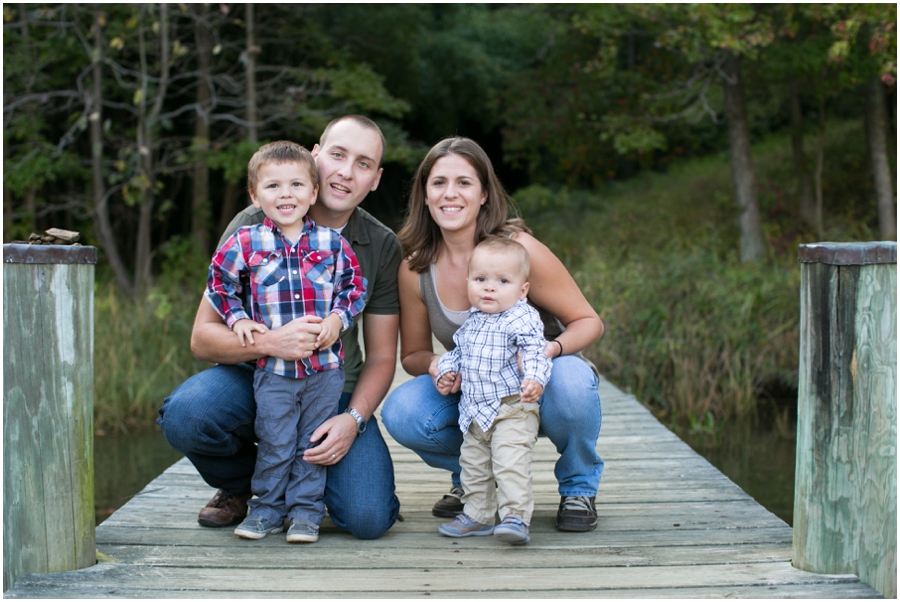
(48, 400)
(845, 500)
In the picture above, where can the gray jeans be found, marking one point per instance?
(288, 410)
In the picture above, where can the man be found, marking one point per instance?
(209, 418)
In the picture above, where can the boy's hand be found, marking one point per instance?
(531, 391)
(444, 384)
(331, 330)
(244, 330)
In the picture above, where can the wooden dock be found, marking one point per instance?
(670, 526)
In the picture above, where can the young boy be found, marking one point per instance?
(290, 267)
(498, 411)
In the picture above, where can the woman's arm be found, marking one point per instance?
(213, 341)
(416, 351)
(554, 289)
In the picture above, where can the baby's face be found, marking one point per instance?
(496, 281)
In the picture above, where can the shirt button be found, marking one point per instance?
(296, 296)
(295, 272)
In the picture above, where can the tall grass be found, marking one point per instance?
(142, 348)
(691, 331)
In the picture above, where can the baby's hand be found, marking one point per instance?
(531, 391)
(331, 330)
(244, 330)
(444, 384)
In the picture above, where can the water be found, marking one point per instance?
(759, 459)
(124, 464)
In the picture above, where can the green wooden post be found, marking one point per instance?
(845, 499)
(48, 402)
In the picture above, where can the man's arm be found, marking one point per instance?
(380, 340)
(212, 340)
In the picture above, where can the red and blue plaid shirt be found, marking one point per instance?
(318, 275)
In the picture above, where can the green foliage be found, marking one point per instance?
(690, 330)
(141, 352)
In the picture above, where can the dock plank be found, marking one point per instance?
(670, 526)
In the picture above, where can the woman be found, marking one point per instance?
(456, 202)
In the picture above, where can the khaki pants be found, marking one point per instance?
(502, 455)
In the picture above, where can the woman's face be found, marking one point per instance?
(453, 193)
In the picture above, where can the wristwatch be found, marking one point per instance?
(360, 421)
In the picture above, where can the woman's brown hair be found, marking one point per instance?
(420, 237)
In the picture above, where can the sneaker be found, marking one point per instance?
(512, 530)
(464, 526)
(576, 513)
(302, 531)
(257, 527)
(224, 510)
(450, 505)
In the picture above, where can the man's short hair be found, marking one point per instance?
(279, 152)
(361, 121)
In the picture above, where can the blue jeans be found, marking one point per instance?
(209, 418)
(425, 421)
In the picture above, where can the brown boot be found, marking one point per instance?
(224, 510)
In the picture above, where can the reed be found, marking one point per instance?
(142, 348)
(691, 331)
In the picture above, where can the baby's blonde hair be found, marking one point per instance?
(504, 244)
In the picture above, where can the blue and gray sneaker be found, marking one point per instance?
(464, 526)
(512, 530)
(257, 527)
(302, 531)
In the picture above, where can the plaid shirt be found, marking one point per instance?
(486, 354)
(318, 275)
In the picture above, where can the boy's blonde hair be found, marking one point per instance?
(504, 244)
(279, 152)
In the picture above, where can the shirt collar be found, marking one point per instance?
(355, 231)
(308, 225)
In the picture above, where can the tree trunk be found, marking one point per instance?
(806, 203)
(147, 128)
(876, 140)
(229, 205)
(250, 69)
(820, 159)
(741, 161)
(101, 221)
(200, 209)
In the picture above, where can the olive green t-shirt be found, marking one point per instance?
(379, 256)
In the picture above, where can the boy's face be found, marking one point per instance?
(284, 192)
(496, 280)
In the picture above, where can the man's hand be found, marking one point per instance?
(531, 391)
(339, 433)
(244, 329)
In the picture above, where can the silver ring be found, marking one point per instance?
(333, 456)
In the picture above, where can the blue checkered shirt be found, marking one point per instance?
(486, 354)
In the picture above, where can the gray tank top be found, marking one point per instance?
(444, 328)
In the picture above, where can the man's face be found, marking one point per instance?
(347, 162)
